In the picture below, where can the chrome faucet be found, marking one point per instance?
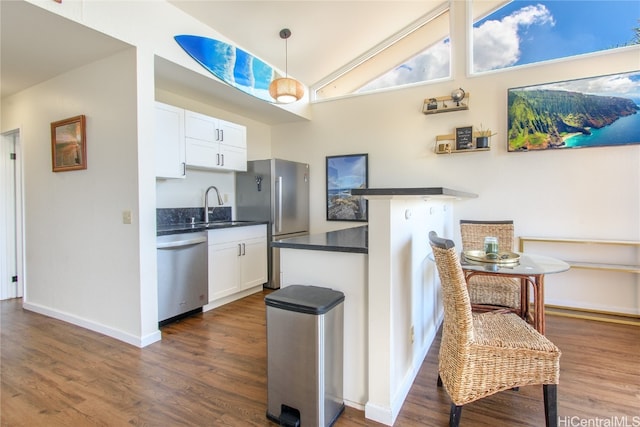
(206, 202)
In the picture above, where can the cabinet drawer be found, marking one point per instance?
(237, 233)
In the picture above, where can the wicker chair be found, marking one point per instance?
(492, 290)
(484, 353)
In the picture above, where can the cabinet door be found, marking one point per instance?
(199, 126)
(233, 158)
(232, 134)
(202, 144)
(233, 146)
(215, 144)
(254, 263)
(224, 278)
(169, 141)
(202, 154)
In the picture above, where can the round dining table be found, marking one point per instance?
(530, 269)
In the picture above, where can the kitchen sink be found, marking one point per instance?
(201, 225)
(222, 223)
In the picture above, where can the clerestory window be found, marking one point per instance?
(504, 34)
(419, 53)
(513, 33)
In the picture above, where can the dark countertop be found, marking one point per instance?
(353, 240)
(201, 226)
(423, 191)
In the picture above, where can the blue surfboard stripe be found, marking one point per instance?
(230, 64)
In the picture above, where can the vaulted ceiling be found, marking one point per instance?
(326, 35)
(30, 53)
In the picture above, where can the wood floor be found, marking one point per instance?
(210, 370)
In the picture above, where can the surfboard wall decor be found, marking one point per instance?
(231, 64)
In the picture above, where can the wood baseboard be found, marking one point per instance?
(601, 316)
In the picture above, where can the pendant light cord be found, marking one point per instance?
(286, 57)
(285, 33)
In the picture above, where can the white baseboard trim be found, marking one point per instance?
(226, 300)
(95, 327)
(379, 414)
(155, 336)
(354, 405)
(591, 306)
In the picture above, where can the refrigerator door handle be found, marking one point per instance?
(278, 218)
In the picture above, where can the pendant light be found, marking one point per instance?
(285, 89)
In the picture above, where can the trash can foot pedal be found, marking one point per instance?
(289, 417)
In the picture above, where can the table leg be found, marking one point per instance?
(540, 323)
(524, 298)
(538, 301)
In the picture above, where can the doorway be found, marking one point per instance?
(11, 233)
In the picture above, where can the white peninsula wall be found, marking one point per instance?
(392, 302)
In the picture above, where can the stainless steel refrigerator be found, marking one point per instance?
(277, 191)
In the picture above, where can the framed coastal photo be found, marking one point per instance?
(591, 112)
(69, 144)
(345, 173)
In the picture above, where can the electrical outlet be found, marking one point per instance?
(412, 335)
(126, 217)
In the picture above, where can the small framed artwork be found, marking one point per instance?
(464, 138)
(69, 144)
(431, 104)
(345, 173)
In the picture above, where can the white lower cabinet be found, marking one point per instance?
(237, 262)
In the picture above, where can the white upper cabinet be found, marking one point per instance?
(214, 143)
(200, 127)
(186, 138)
(233, 146)
(170, 148)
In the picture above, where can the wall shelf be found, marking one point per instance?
(444, 104)
(445, 144)
(625, 268)
(619, 267)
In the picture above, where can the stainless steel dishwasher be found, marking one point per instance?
(182, 275)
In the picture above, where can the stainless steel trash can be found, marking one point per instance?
(304, 356)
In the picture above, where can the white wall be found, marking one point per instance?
(82, 262)
(189, 192)
(347, 273)
(590, 192)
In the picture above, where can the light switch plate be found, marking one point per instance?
(126, 217)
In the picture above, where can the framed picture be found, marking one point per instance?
(591, 112)
(345, 173)
(69, 144)
(464, 138)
